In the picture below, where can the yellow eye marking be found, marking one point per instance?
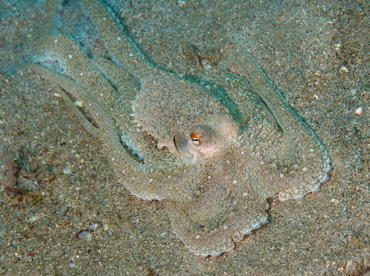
(195, 138)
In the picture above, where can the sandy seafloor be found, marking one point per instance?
(316, 52)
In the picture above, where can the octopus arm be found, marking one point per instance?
(116, 38)
(103, 112)
(301, 160)
(61, 84)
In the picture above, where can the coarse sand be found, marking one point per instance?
(65, 213)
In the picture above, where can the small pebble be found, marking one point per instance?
(62, 211)
(350, 267)
(359, 111)
(33, 219)
(93, 227)
(67, 170)
(343, 69)
(181, 3)
(84, 235)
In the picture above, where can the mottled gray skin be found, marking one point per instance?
(215, 160)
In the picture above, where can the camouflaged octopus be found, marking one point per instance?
(214, 147)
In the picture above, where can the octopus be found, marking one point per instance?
(214, 146)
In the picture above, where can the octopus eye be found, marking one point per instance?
(195, 138)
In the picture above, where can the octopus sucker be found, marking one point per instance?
(215, 146)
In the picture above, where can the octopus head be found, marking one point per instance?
(206, 138)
